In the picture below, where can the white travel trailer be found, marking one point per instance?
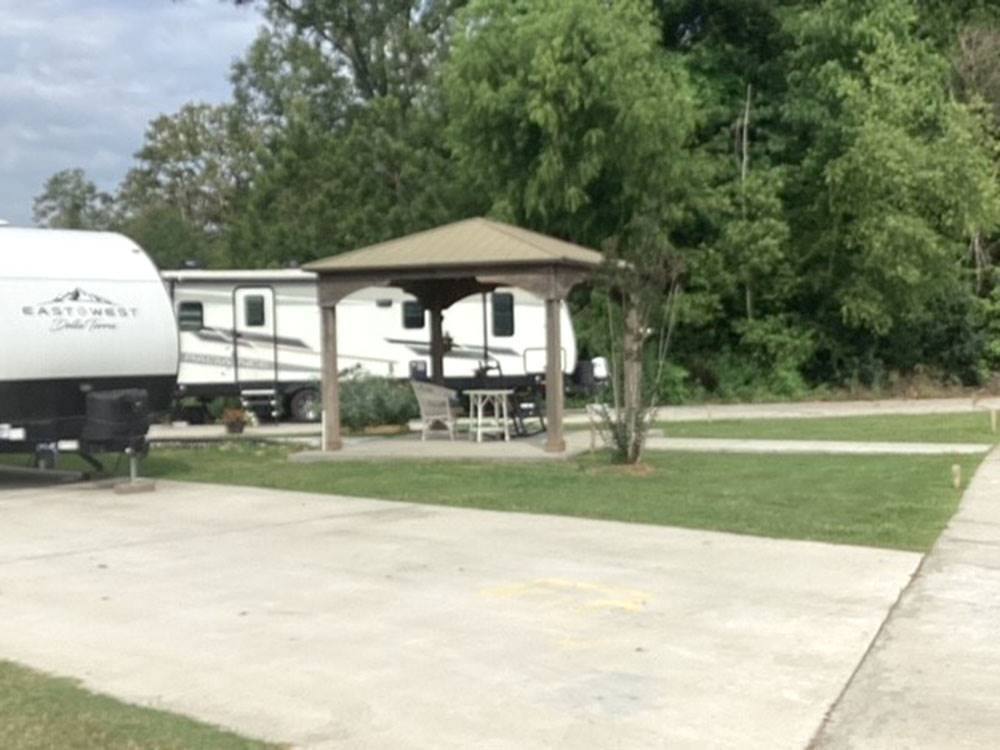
(256, 334)
(83, 313)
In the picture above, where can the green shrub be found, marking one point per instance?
(676, 385)
(988, 314)
(217, 406)
(369, 401)
(772, 353)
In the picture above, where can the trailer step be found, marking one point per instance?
(257, 399)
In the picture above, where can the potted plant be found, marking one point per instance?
(235, 420)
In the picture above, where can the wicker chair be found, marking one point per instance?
(435, 407)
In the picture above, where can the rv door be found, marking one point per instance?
(255, 354)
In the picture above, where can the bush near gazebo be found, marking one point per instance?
(367, 401)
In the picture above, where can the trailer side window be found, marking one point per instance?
(503, 314)
(190, 316)
(253, 308)
(413, 314)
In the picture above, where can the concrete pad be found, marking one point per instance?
(346, 623)
(211, 433)
(831, 447)
(817, 409)
(932, 678)
(180, 432)
(435, 449)
(820, 409)
(578, 442)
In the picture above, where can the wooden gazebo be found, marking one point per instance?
(440, 267)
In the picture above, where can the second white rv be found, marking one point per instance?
(256, 334)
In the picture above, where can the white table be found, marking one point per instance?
(479, 400)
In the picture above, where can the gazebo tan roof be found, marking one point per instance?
(472, 242)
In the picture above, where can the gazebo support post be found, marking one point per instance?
(437, 345)
(554, 442)
(331, 381)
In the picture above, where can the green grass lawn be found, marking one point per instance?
(900, 502)
(40, 712)
(930, 428)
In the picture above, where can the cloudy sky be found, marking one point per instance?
(80, 79)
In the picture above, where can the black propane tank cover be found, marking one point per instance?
(116, 418)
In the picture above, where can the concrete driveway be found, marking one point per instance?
(330, 622)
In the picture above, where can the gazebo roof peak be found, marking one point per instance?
(472, 242)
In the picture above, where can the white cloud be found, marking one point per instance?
(81, 79)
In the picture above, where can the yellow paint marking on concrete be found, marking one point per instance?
(558, 589)
(625, 604)
(575, 644)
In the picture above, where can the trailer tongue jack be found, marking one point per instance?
(119, 420)
(134, 483)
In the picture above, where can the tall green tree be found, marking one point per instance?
(382, 47)
(70, 201)
(570, 115)
(169, 238)
(285, 77)
(195, 161)
(894, 178)
(354, 148)
(385, 174)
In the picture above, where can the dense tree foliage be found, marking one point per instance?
(354, 149)
(895, 176)
(70, 201)
(819, 177)
(567, 116)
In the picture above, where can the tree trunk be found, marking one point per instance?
(632, 396)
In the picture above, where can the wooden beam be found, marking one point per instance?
(451, 283)
(443, 293)
(553, 377)
(543, 281)
(331, 381)
(332, 289)
(437, 345)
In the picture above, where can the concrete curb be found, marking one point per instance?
(718, 445)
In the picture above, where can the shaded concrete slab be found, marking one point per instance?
(17, 477)
(347, 623)
(932, 678)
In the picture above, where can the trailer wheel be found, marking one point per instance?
(305, 405)
(193, 413)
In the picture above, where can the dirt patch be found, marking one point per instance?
(629, 470)
(381, 430)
